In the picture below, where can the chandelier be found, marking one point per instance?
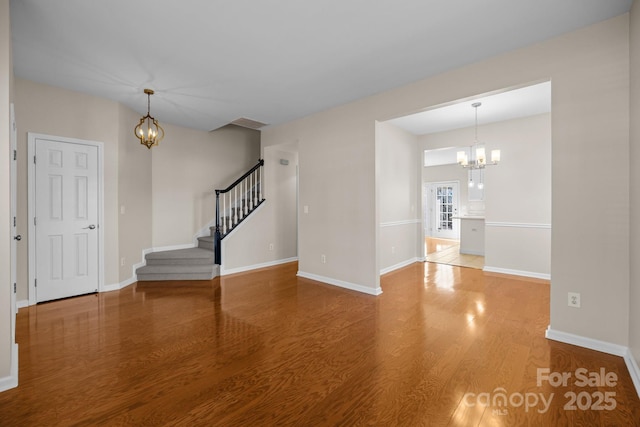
(148, 131)
(479, 160)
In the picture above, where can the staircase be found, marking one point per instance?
(239, 200)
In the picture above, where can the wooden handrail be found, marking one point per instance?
(239, 180)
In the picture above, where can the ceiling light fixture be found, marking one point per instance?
(480, 161)
(148, 131)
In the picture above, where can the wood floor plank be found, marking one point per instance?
(269, 348)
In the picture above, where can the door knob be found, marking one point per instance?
(18, 237)
(91, 227)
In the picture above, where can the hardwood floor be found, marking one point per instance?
(268, 348)
(449, 253)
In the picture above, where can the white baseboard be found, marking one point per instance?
(118, 286)
(341, 284)
(634, 370)
(226, 272)
(11, 381)
(399, 265)
(22, 304)
(131, 280)
(590, 343)
(603, 346)
(523, 273)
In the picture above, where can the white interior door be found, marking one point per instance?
(443, 208)
(66, 219)
(14, 230)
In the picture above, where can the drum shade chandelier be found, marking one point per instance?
(479, 161)
(148, 131)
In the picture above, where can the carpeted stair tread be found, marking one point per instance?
(181, 254)
(175, 269)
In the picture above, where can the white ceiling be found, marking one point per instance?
(211, 61)
(523, 102)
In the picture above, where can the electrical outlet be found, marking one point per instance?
(574, 299)
(122, 262)
(393, 249)
(306, 209)
(270, 246)
(323, 258)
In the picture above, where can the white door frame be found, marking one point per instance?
(427, 215)
(13, 147)
(31, 150)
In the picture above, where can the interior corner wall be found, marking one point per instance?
(187, 166)
(54, 111)
(6, 322)
(634, 300)
(398, 196)
(134, 195)
(589, 71)
(337, 184)
(271, 231)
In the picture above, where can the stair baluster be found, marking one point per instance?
(248, 186)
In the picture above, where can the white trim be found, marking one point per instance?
(225, 272)
(121, 285)
(532, 274)
(399, 265)
(634, 370)
(517, 225)
(264, 202)
(340, 283)
(603, 346)
(404, 222)
(590, 343)
(31, 194)
(11, 381)
(134, 278)
(204, 231)
(22, 304)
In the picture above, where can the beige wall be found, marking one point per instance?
(134, 194)
(634, 300)
(274, 223)
(398, 196)
(6, 322)
(337, 172)
(166, 192)
(187, 167)
(589, 70)
(53, 111)
(517, 192)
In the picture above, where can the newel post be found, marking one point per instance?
(217, 240)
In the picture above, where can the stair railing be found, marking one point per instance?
(238, 201)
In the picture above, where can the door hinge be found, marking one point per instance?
(35, 283)
(34, 221)
(15, 154)
(34, 160)
(15, 288)
(14, 221)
